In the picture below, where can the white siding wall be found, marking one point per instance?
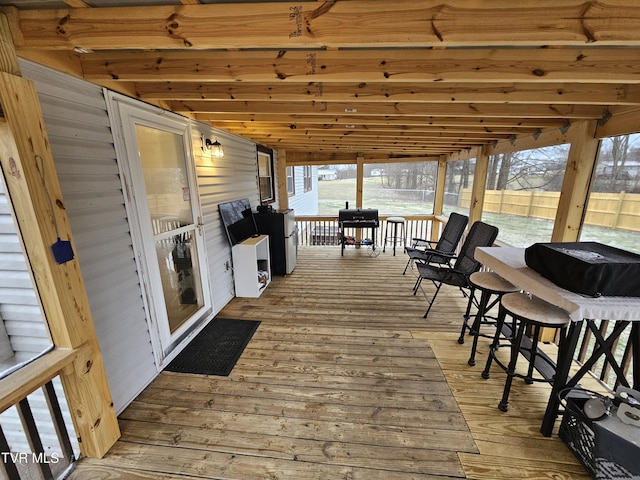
(305, 203)
(24, 332)
(78, 128)
(222, 180)
(6, 350)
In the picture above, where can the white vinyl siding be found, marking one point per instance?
(24, 335)
(305, 203)
(221, 180)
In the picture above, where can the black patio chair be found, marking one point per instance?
(440, 252)
(480, 235)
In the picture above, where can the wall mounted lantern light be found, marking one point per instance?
(214, 148)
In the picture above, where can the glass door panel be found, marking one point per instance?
(170, 210)
(180, 277)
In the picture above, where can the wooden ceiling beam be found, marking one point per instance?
(391, 108)
(427, 92)
(390, 120)
(380, 142)
(333, 24)
(473, 132)
(434, 132)
(336, 135)
(477, 65)
(305, 157)
(372, 150)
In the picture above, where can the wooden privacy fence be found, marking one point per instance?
(611, 210)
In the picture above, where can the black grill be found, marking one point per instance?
(358, 218)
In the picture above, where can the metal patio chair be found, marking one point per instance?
(480, 235)
(440, 252)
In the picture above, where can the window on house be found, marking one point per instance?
(522, 193)
(265, 175)
(291, 181)
(308, 179)
(613, 210)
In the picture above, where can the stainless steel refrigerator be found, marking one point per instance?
(283, 238)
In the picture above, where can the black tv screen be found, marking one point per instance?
(238, 220)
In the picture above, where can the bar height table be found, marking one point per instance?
(509, 263)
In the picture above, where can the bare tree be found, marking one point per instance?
(492, 174)
(503, 172)
(466, 172)
(619, 154)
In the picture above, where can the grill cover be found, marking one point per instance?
(588, 268)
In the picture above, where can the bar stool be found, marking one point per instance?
(528, 313)
(395, 239)
(489, 284)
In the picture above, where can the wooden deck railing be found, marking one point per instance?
(323, 230)
(15, 390)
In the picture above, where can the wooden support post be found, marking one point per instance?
(359, 190)
(574, 194)
(479, 186)
(359, 180)
(438, 201)
(32, 184)
(283, 193)
(576, 183)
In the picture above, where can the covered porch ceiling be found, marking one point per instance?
(328, 81)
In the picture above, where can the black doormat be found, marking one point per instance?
(216, 349)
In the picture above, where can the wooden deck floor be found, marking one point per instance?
(344, 379)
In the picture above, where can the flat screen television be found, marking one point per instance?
(238, 220)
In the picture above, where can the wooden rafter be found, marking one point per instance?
(499, 92)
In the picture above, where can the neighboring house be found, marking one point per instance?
(327, 174)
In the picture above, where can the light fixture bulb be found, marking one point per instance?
(216, 149)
